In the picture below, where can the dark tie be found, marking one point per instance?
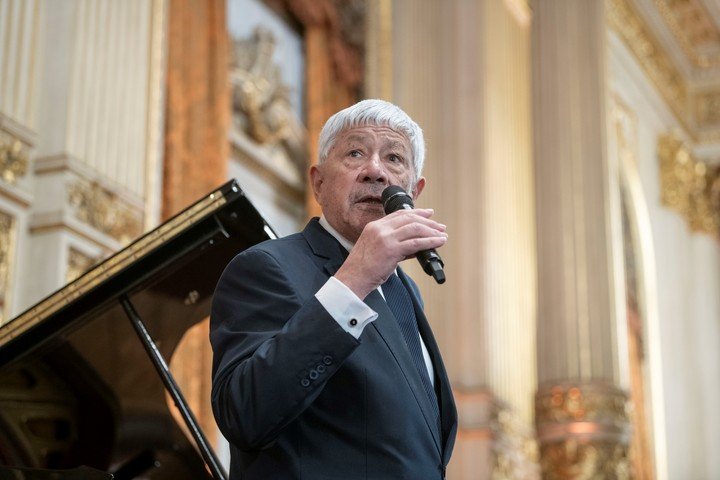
(400, 303)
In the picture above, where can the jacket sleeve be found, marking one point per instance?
(272, 352)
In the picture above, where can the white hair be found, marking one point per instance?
(374, 113)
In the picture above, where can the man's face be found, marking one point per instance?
(361, 163)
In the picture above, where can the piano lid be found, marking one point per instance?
(207, 234)
(77, 384)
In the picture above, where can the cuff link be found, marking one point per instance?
(353, 322)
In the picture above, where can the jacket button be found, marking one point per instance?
(327, 360)
(320, 368)
(305, 382)
(353, 322)
(313, 374)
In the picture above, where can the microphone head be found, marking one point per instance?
(394, 198)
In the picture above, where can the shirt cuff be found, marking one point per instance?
(351, 313)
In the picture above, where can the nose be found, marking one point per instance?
(373, 171)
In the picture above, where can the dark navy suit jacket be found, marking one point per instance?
(297, 397)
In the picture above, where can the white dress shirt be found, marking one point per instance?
(351, 313)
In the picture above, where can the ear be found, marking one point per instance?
(316, 180)
(418, 188)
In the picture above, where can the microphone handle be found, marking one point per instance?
(429, 260)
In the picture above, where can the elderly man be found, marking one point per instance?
(324, 363)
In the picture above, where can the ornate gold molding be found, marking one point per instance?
(694, 29)
(657, 64)
(583, 431)
(7, 247)
(695, 109)
(78, 263)
(13, 158)
(689, 186)
(102, 210)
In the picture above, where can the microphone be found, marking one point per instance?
(394, 198)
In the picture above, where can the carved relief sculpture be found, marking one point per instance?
(261, 102)
(102, 210)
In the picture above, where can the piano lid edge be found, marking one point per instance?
(140, 248)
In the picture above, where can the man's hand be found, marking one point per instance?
(386, 242)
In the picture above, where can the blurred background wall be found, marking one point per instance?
(573, 152)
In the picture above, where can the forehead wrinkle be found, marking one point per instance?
(397, 145)
(356, 137)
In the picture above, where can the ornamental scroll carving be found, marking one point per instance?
(102, 210)
(583, 432)
(689, 186)
(13, 158)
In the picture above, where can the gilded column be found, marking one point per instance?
(580, 405)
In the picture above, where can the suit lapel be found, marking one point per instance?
(387, 327)
(448, 412)
(325, 246)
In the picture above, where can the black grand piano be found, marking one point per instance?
(83, 374)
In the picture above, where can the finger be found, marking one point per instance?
(399, 219)
(412, 246)
(418, 230)
(423, 212)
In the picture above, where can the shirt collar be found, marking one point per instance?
(343, 241)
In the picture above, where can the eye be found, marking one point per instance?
(355, 153)
(395, 158)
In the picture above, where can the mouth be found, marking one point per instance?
(370, 200)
